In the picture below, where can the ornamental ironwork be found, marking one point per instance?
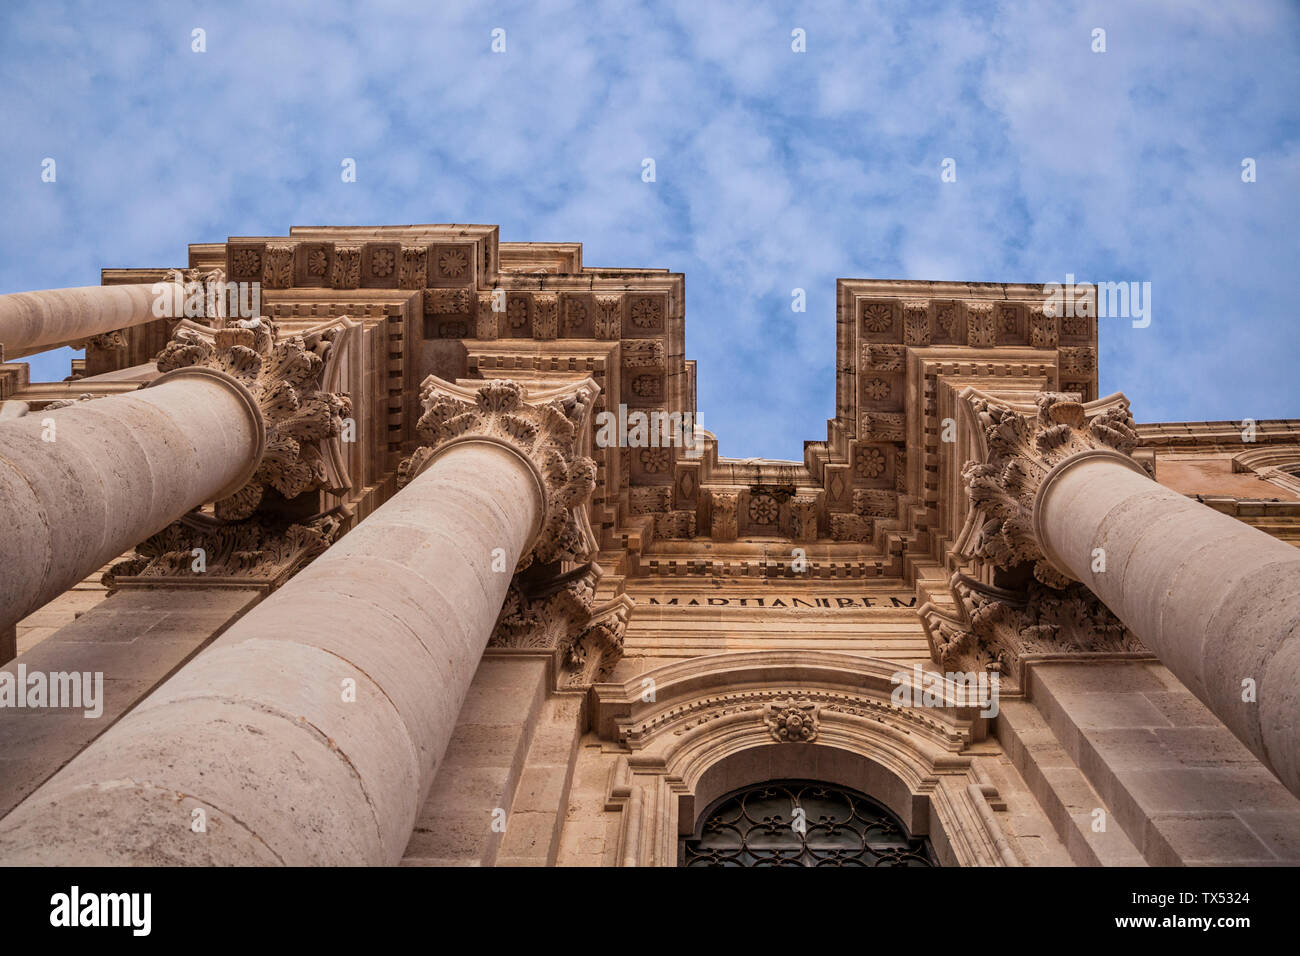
(801, 823)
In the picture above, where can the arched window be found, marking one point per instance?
(801, 823)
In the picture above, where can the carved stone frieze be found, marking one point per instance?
(1020, 449)
(414, 270)
(981, 330)
(1044, 329)
(995, 629)
(198, 550)
(283, 376)
(345, 271)
(547, 433)
(725, 524)
(883, 358)
(803, 518)
(608, 322)
(850, 527)
(277, 265)
(916, 323)
(884, 426)
(546, 316)
(875, 503)
(447, 301)
(487, 324)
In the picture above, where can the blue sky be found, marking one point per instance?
(774, 170)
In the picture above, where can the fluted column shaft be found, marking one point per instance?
(310, 732)
(1217, 600)
(33, 321)
(82, 484)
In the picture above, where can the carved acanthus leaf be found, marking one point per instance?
(995, 628)
(200, 549)
(284, 378)
(547, 433)
(1021, 448)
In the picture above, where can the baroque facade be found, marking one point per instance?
(376, 590)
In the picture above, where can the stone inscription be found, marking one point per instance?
(788, 602)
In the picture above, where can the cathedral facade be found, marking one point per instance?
(404, 545)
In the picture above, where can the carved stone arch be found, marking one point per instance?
(1279, 464)
(691, 731)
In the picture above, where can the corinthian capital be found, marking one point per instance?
(1020, 446)
(283, 377)
(546, 427)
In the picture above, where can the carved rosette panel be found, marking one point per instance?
(547, 434)
(283, 376)
(254, 550)
(1020, 450)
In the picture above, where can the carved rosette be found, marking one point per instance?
(1020, 449)
(547, 433)
(283, 376)
(792, 721)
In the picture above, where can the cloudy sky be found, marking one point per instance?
(775, 170)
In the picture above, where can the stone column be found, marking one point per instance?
(1215, 599)
(310, 732)
(83, 483)
(34, 321)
